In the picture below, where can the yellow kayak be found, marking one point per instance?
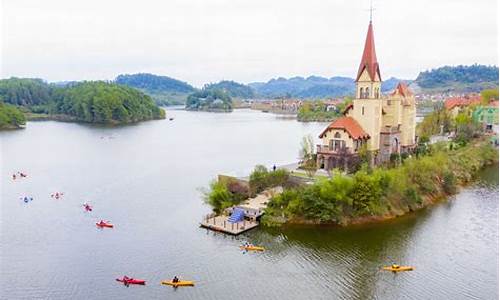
(252, 248)
(179, 283)
(398, 268)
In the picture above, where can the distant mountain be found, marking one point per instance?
(460, 78)
(391, 83)
(313, 87)
(151, 82)
(164, 90)
(234, 89)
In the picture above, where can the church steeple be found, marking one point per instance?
(369, 58)
(368, 80)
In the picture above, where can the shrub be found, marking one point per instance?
(219, 197)
(261, 178)
(449, 183)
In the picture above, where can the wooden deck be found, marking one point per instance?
(221, 223)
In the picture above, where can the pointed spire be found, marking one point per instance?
(369, 58)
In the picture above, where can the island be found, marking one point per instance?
(210, 99)
(89, 101)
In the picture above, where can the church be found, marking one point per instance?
(383, 124)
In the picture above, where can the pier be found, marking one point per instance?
(221, 224)
(252, 208)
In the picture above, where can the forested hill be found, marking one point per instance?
(313, 87)
(91, 101)
(234, 89)
(164, 90)
(472, 78)
(154, 83)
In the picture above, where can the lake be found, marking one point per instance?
(147, 180)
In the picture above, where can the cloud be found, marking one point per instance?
(203, 41)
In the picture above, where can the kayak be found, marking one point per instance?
(252, 248)
(179, 283)
(398, 268)
(131, 281)
(102, 225)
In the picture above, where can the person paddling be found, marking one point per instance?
(175, 280)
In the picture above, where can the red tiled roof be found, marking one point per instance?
(348, 107)
(461, 101)
(350, 125)
(402, 89)
(369, 58)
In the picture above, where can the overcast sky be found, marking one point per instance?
(201, 41)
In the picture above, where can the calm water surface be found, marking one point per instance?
(146, 179)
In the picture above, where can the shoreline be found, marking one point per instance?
(428, 201)
(30, 117)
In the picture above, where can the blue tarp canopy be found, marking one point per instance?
(237, 216)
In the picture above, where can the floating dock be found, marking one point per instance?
(221, 223)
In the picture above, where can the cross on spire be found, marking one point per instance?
(371, 10)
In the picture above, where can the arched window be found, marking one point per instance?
(363, 110)
(376, 93)
(367, 93)
(361, 94)
(337, 135)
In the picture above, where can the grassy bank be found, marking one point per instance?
(383, 193)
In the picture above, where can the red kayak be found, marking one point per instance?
(103, 224)
(128, 280)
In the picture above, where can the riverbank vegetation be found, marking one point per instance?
(383, 192)
(11, 117)
(91, 101)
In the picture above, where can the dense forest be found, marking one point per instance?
(164, 90)
(210, 100)
(234, 89)
(102, 102)
(92, 101)
(25, 91)
(457, 77)
(10, 116)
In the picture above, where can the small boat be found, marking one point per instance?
(127, 280)
(171, 119)
(178, 283)
(87, 207)
(397, 268)
(252, 248)
(103, 224)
